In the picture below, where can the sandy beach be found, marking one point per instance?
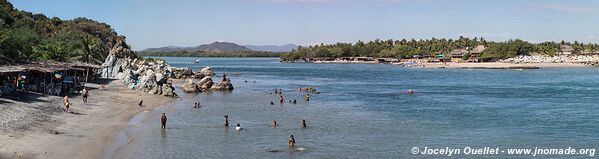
(498, 65)
(37, 128)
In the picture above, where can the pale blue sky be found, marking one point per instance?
(156, 23)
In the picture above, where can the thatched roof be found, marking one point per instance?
(47, 67)
(478, 49)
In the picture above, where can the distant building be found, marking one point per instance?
(566, 50)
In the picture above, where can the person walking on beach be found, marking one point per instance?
(226, 120)
(163, 120)
(84, 94)
(303, 123)
(274, 123)
(66, 103)
(291, 141)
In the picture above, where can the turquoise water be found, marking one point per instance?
(363, 112)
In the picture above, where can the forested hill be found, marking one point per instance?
(25, 37)
(212, 47)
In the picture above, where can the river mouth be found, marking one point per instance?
(363, 111)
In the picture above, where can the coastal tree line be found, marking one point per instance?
(408, 48)
(25, 37)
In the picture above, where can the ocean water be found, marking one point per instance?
(364, 112)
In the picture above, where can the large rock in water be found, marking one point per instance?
(168, 90)
(189, 86)
(224, 85)
(182, 72)
(206, 83)
(206, 71)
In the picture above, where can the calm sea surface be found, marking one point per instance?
(363, 112)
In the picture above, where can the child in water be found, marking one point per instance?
(238, 127)
(291, 141)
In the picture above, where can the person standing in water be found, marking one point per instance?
(84, 94)
(226, 120)
(307, 97)
(303, 123)
(66, 103)
(282, 99)
(163, 120)
(291, 141)
(274, 123)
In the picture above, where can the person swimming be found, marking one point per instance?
(274, 123)
(307, 97)
(272, 103)
(238, 127)
(410, 91)
(294, 101)
(163, 120)
(226, 120)
(197, 105)
(303, 123)
(291, 141)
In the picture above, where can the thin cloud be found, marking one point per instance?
(572, 8)
(334, 1)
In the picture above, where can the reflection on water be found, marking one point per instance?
(363, 111)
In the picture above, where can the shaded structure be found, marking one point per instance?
(47, 77)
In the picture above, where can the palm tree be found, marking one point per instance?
(90, 50)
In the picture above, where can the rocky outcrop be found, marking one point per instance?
(189, 86)
(145, 76)
(206, 83)
(223, 86)
(206, 71)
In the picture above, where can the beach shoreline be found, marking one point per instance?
(466, 65)
(83, 134)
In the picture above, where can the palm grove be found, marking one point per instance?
(408, 48)
(26, 37)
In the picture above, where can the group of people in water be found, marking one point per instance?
(282, 99)
(290, 142)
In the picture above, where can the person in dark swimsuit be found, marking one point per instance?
(303, 123)
(291, 141)
(140, 103)
(226, 120)
(274, 123)
(163, 120)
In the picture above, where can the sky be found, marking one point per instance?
(157, 23)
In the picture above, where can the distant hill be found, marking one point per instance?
(213, 47)
(272, 48)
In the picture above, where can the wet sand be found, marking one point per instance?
(44, 131)
(498, 65)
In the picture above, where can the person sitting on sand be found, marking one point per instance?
(226, 120)
(238, 127)
(291, 141)
(66, 103)
(274, 123)
(84, 94)
(140, 103)
(303, 123)
(163, 120)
